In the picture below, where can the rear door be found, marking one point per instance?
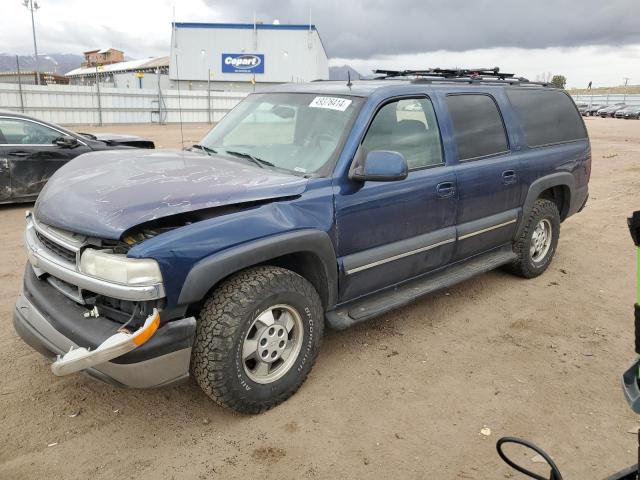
(488, 175)
(33, 155)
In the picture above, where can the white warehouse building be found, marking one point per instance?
(244, 56)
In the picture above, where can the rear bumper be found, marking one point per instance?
(52, 324)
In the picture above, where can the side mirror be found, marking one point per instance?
(380, 166)
(66, 142)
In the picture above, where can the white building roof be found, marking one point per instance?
(130, 66)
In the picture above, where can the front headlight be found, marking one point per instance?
(116, 267)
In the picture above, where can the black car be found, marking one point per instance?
(610, 111)
(632, 111)
(31, 150)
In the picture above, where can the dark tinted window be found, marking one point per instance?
(24, 132)
(477, 125)
(546, 116)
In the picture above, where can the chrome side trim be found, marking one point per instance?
(399, 256)
(42, 260)
(488, 229)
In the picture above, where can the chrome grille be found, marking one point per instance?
(56, 248)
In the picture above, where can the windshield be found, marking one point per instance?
(296, 132)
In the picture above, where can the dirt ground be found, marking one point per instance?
(404, 396)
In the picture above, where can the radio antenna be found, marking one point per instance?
(349, 79)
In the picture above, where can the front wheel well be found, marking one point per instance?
(561, 196)
(306, 264)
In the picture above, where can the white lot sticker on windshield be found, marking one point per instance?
(332, 103)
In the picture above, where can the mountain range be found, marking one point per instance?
(59, 63)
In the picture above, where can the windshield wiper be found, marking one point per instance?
(258, 161)
(206, 150)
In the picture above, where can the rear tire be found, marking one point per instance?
(257, 338)
(538, 240)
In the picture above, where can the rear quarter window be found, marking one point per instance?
(546, 116)
(477, 126)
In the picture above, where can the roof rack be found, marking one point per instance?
(458, 75)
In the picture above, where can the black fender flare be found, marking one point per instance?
(540, 185)
(210, 270)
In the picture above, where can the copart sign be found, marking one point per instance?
(242, 63)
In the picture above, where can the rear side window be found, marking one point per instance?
(546, 116)
(477, 125)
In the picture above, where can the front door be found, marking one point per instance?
(488, 175)
(392, 231)
(33, 155)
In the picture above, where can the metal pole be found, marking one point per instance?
(209, 95)
(20, 84)
(159, 97)
(99, 103)
(30, 6)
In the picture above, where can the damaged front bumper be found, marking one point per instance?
(53, 325)
(115, 346)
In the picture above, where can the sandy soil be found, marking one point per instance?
(404, 396)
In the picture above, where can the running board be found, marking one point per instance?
(347, 315)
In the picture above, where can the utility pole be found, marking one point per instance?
(99, 101)
(32, 6)
(209, 95)
(626, 81)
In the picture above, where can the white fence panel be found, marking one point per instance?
(70, 104)
(608, 99)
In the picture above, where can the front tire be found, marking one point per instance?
(538, 241)
(257, 338)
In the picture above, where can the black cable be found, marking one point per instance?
(554, 474)
(133, 314)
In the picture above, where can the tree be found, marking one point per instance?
(559, 81)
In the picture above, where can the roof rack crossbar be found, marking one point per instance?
(446, 72)
(462, 75)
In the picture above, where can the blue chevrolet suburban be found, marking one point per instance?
(307, 206)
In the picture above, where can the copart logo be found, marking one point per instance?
(242, 63)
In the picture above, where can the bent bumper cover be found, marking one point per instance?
(39, 333)
(115, 346)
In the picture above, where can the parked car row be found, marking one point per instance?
(617, 110)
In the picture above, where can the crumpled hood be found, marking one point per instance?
(103, 194)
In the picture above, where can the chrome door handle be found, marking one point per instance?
(446, 189)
